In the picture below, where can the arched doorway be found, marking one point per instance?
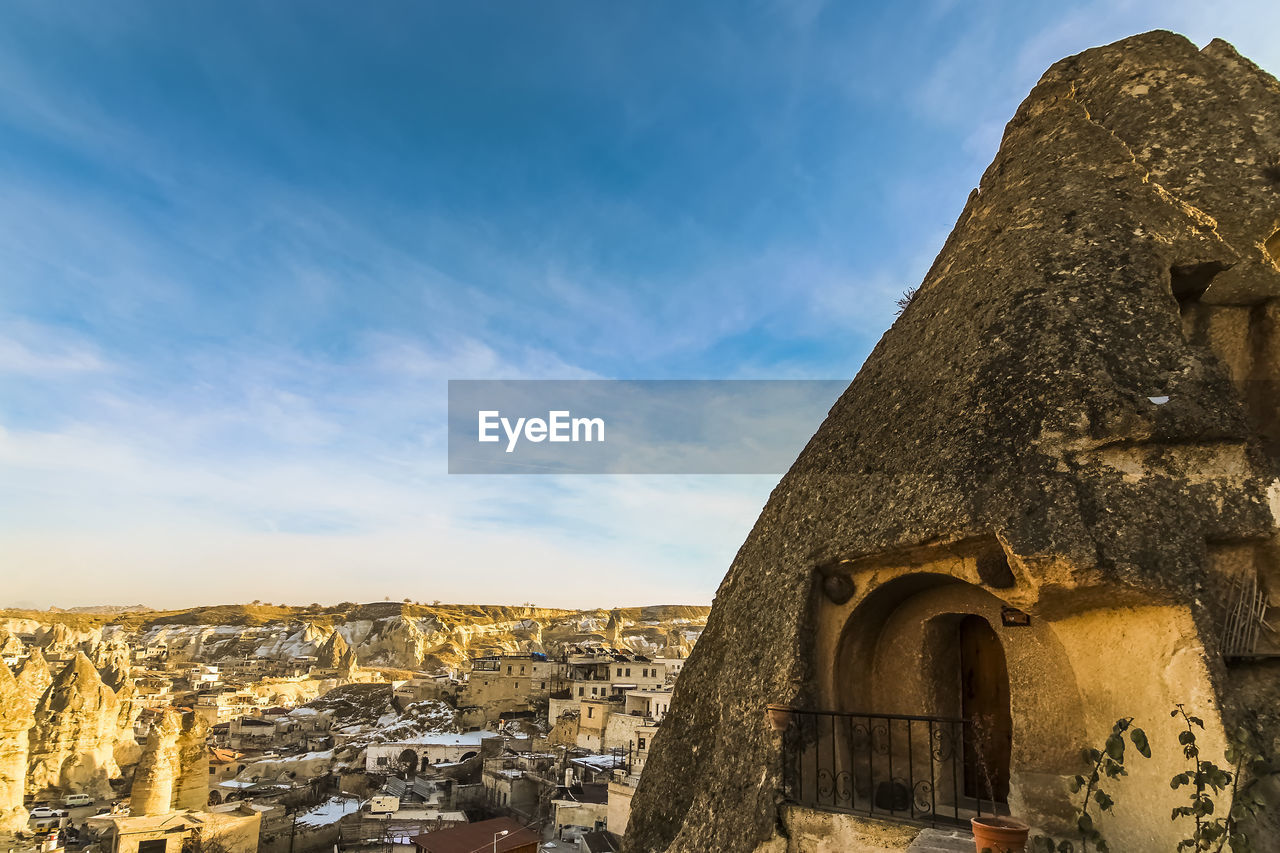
(918, 654)
(409, 761)
(984, 699)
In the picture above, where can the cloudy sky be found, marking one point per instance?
(244, 245)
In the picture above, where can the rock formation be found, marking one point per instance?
(74, 735)
(119, 678)
(677, 646)
(153, 780)
(60, 639)
(34, 677)
(440, 638)
(111, 653)
(173, 772)
(191, 791)
(10, 644)
(347, 665)
(613, 630)
(1075, 419)
(15, 721)
(332, 652)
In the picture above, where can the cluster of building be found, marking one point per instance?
(231, 755)
(594, 711)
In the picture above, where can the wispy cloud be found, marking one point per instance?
(244, 250)
(27, 349)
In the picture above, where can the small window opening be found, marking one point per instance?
(993, 568)
(1189, 281)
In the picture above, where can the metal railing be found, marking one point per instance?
(890, 766)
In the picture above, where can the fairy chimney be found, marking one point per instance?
(1059, 463)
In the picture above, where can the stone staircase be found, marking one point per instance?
(942, 841)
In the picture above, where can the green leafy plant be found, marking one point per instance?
(1213, 831)
(1104, 764)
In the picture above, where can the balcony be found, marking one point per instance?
(919, 770)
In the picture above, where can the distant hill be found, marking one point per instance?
(258, 614)
(105, 609)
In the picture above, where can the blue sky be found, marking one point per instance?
(244, 245)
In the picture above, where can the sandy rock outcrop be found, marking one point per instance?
(10, 644)
(613, 630)
(61, 640)
(75, 732)
(120, 680)
(173, 772)
(15, 722)
(333, 651)
(34, 677)
(111, 653)
(348, 664)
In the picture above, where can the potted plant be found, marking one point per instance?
(994, 833)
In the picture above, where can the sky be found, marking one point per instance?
(243, 247)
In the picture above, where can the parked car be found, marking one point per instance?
(41, 812)
(45, 825)
(77, 800)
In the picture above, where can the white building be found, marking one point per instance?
(410, 754)
(648, 703)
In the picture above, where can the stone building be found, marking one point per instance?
(1048, 500)
(411, 754)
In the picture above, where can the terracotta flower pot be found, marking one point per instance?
(779, 716)
(999, 834)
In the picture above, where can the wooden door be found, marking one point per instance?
(984, 699)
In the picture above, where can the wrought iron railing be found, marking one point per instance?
(883, 765)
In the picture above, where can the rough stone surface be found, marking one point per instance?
(10, 644)
(34, 678)
(173, 772)
(330, 655)
(74, 736)
(15, 721)
(942, 841)
(1021, 395)
(153, 780)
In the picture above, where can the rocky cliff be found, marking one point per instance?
(1086, 376)
(387, 634)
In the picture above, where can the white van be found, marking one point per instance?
(384, 804)
(77, 800)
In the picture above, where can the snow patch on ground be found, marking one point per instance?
(330, 811)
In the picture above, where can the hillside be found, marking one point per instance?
(384, 634)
